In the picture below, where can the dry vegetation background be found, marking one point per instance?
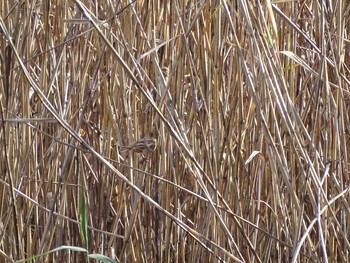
(248, 101)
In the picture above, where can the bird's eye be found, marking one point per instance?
(153, 146)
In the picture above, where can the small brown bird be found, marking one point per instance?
(144, 145)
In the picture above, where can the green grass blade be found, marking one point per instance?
(102, 258)
(83, 223)
(73, 248)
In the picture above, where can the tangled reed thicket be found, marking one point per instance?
(248, 101)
